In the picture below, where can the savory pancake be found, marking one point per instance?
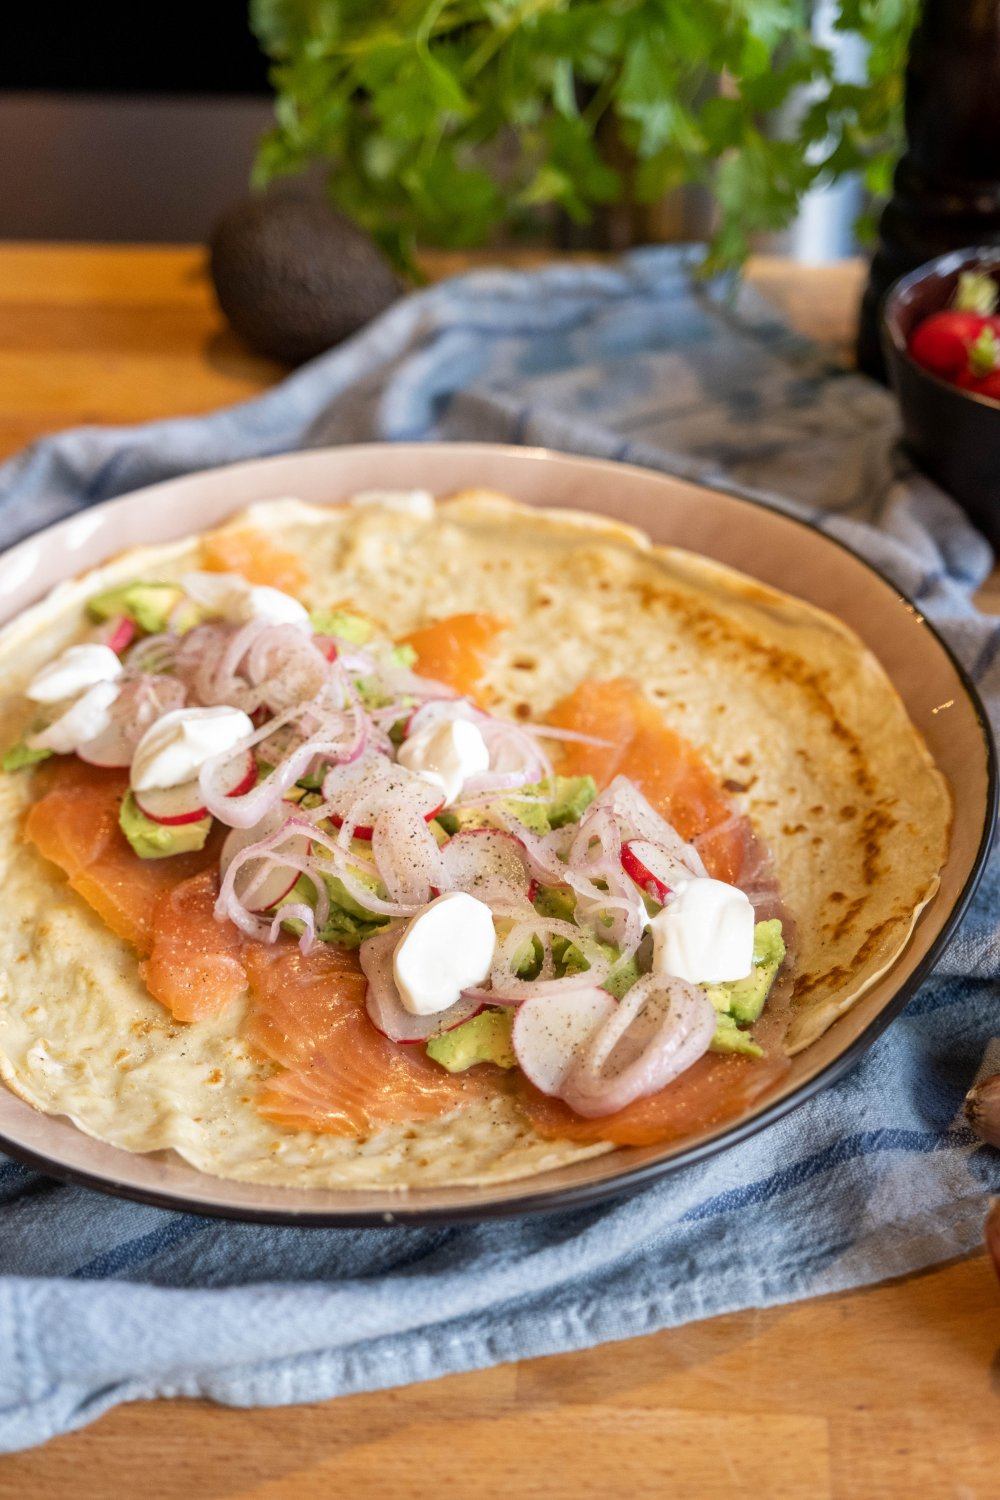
(747, 700)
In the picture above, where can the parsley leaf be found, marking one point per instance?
(439, 121)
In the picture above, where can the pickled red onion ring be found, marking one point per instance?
(245, 811)
(406, 855)
(297, 911)
(656, 1032)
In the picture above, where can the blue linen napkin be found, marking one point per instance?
(104, 1301)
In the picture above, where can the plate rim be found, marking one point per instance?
(631, 1180)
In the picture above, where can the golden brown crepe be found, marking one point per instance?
(785, 704)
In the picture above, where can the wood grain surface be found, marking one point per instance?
(890, 1391)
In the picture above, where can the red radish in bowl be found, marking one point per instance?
(941, 342)
(961, 343)
(173, 805)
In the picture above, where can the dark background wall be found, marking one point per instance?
(126, 120)
(132, 46)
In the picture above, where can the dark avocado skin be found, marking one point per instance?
(294, 277)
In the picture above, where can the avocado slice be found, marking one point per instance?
(564, 799)
(347, 922)
(743, 999)
(570, 798)
(483, 1038)
(553, 803)
(623, 976)
(729, 1038)
(558, 902)
(340, 622)
(148, 604)
(19, 756)
(159, 840)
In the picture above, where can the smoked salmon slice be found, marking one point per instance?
(249, 552)
(337, 1074)
(683, 788)
(455, 650)
(75, 825)
(195, 963)
(665, 768)
(342, 1077)
(714, 1089)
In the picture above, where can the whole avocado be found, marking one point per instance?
(294, 277)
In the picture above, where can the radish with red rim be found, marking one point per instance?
(489, 863)
(361, 785)
(261, 883)
(653, 869)
(174, 805)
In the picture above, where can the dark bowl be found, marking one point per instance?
(954, 435)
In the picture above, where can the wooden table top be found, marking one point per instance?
(889, 1391)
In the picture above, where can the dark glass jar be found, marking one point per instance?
(946, 192)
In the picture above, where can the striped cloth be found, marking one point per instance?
(104, 1301)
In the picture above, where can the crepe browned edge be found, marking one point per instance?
(566, 579)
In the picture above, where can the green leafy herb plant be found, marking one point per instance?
(441, 121)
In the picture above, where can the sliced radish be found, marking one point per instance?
(140, 702)
(174, 805)
(273, 886)
(242, 772)
(327, 645)
(653, 869)
(262, 883)
(365, 830)
(120, 634)
(550, 1033)
(397, 1025)
(385, 1009)
(488, 863)
(376, 785)
(112, 748)
(640, 822)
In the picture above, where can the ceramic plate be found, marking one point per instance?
(769, 546)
